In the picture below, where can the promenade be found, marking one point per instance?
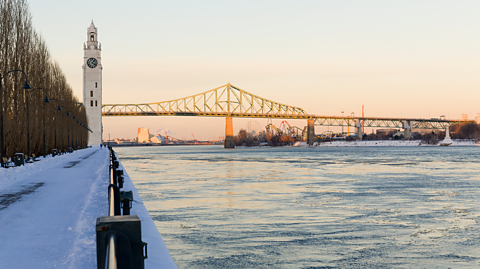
(48, 211)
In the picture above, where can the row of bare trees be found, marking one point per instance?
(244, 138)
(22, 48)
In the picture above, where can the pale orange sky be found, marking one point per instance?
(399, 59)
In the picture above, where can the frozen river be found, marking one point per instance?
(403, 207)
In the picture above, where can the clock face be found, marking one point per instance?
(92, 62)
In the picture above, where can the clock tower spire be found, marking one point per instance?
(92, 84)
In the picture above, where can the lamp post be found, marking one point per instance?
(46, 100)
(75, 136)
(55, 121)
(68, 114)
(25, 86)
(81, 135)
(76, 140)
(68, 129)
(73, 131)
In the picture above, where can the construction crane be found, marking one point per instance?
(194, 139)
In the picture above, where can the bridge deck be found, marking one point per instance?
(231, 101)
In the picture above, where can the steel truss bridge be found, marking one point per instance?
(231, 101)
(224, 101)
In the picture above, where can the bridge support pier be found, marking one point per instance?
(358, 125)
(229, 142)
(407, 133)
(310, 131)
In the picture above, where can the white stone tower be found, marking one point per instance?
(92, 85)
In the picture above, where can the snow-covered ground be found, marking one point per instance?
(48, 211)
(385, 143)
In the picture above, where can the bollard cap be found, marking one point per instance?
(126, 195)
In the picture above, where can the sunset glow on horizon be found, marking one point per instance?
(406, 59)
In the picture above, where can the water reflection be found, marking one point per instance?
(307, 208)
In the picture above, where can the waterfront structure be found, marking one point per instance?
(230, 101)
(447, 141)
(92, 84)
(159, 139)
(143, 135)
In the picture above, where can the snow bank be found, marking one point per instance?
(374, 143)
(158, 254)
(385, 143)
(470, 143)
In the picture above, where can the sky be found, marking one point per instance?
(415, 59)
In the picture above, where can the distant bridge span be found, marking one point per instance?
(230, 101)
(224, 101)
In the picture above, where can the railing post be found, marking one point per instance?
(120, 178)
(129, 247)
(126, 198)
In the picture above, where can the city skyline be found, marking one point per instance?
(405, 59)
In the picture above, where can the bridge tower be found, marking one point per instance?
(92, 85)
(310, 131)
(229, 142)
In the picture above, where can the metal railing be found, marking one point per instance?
(111, 257)
(113, 190)
(119, 243)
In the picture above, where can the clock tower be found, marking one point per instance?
(92, 85)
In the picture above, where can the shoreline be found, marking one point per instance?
(374, 143)
(158, 145)
(389, 143)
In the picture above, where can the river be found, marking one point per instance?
(286, 207)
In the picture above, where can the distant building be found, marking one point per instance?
(158, 139)
(143, 135)
(464, 116)
(125, 142)
(477, 120)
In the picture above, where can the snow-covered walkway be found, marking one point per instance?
(48, 211)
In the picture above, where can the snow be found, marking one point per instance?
(385, 143)
(48, 211)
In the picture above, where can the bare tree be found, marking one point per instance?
(22, 48)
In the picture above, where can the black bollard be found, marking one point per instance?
(127, 200)
(120, 178)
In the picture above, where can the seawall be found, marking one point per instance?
(158, 254)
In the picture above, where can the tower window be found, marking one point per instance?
(95, 102)
(91, 93)
(92, 37)
(91, 102)
(95, 84)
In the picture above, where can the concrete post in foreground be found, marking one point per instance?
(407, 125)
(229, 140)
(310, 131)
(358, 125)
